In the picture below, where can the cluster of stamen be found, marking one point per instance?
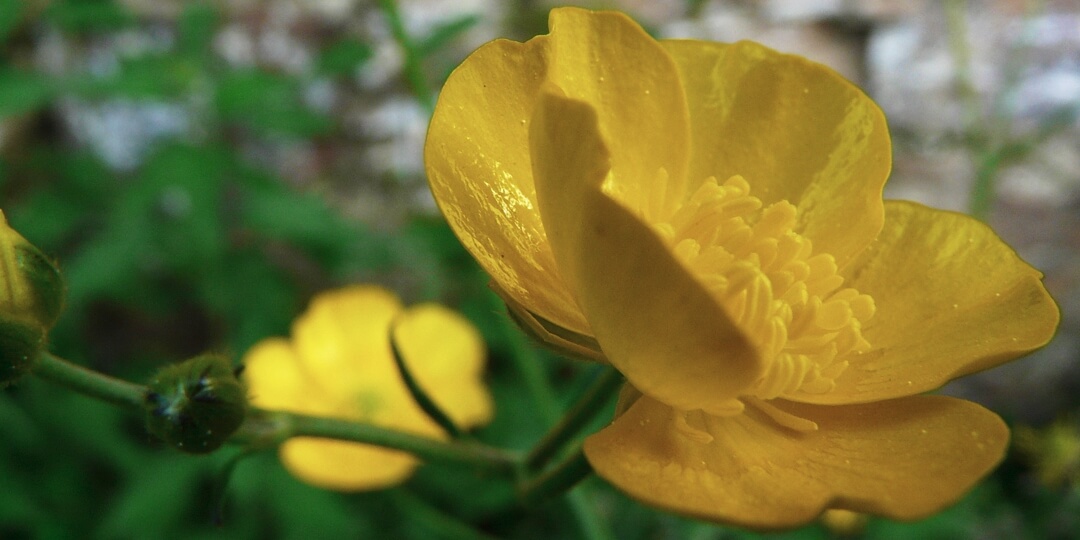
(790, 301)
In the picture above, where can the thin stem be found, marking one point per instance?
(262, 427)
(536, 383)
(556, 481)
(982, 192)
(414, 71)
(426, 403)
(598, 394)
(89, 382)
(271, 427)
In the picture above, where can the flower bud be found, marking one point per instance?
(31, 298)
(197, 404)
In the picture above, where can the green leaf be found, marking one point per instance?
(88, 15)
(156, 499)
(23, 91)
(11, 14)
(268, 103)
(343, 57)
(445, 33)
(195, 29)
(145, 77)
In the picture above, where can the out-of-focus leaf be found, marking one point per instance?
(181, 198)
(149, 76)
(23, 91)
(255, 299)
(88, 15)
(343, 57)
(445, 33)
(298, 510)
(195, 29)
(268, 103)
(155, 499)
(11, 14)
(47, 217)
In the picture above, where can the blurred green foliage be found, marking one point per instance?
(200, 247)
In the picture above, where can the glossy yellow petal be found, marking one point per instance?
(606, 60)
(952, 299)
(445, 354)
(794, 129)
(344, 466)
(652, 319)
(479, 169)
(903, 459)
(343, 339)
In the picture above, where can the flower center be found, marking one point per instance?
(788, 300)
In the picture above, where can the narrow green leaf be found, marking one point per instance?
(343, 57)
(445, 33)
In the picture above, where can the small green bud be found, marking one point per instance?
(31, 299)
(19, 346)
(197, 404)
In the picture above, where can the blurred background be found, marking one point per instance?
(200, 169)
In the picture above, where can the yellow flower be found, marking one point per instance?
(339, 364)
(708, 218)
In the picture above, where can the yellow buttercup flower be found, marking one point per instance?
(708, 218)
(339, 363)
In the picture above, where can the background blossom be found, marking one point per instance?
(338, 363)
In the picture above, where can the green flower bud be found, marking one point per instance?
(31, 298)
(197, 404)
(19, 346)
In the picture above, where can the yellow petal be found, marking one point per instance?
(952, 299)
(902, 459)
(276, 380)
(445, 354)
(606, 60)
(343, 340)
(480, 172)
(794, 129)
(344, 466)
(654, 322)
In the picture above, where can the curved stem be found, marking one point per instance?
(89, 382)
(598, 394)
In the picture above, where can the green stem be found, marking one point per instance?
(979, 143)
(426, 403)
(528, 363)
(598, 394)
(272, 427)
(89, 382)
(556, 481)
(413, 67)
